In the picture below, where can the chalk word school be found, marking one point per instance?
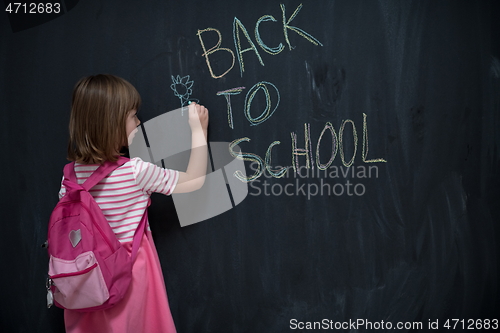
(239, 32)
(307, 151)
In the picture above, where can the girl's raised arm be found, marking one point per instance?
(194, 177)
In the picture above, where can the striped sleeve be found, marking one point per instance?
(62, 191)
(151, 178)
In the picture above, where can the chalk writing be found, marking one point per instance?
(242, 37)
(355, 136)
(302, 151)
(212, 50)
(227, 93)
(239, 29)
(307, 152)
(286, 25)
(270, 50)
(328, 126)
(267, 113)
(237, 26)
(277, 173)
(246, 157)
(364, 153)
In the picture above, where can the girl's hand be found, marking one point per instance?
(198, 116)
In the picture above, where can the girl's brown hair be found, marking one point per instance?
(99, 110)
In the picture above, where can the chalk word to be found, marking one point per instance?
(307, 151)
(265, 115)
(240, 32)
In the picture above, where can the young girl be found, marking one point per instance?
(103, 120)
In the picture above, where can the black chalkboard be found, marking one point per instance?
(398, 102)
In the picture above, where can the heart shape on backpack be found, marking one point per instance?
(75, 236)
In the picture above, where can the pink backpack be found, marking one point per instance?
(89, 269)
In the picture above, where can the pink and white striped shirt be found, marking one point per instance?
(123, 194)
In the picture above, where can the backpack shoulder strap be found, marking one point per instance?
(69, 172)
(70, 181)
(102, 171)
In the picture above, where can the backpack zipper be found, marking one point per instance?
(62, 275)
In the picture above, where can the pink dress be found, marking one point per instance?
(123, 197)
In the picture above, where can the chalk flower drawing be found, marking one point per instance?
(182, 88)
